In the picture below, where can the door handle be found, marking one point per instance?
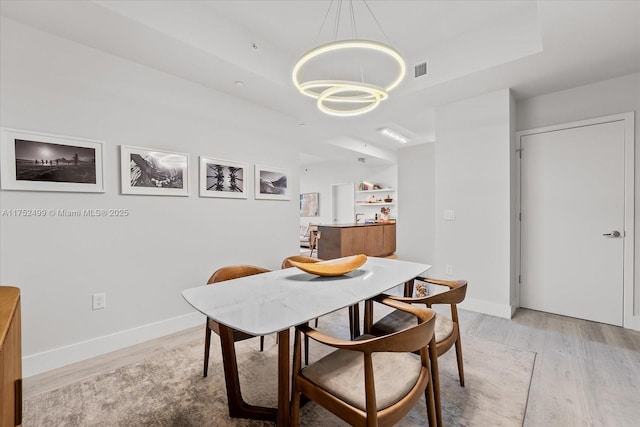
(614, 233)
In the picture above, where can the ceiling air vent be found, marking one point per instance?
(421, 69)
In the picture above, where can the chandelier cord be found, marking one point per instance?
(354, 29)
(337, 25)
(377, 22)
(324, 21)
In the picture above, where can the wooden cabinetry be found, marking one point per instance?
(345, 240)
(10, 358)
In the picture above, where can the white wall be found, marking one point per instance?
(416, 189)
(166, 244)
(604, 98)
(318, 178)
(475, 175)
(473, 178)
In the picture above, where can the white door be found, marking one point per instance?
(572, 206)
(343, 203)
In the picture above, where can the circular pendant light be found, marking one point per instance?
(353, 97)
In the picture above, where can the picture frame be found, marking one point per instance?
(223, 178)
(150, 171)
(35, 161)
(309, 204)
(271, 183)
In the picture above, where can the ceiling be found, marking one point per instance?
(471, 47)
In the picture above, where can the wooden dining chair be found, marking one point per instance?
(447, 330)
(373, 381)
(228, 337)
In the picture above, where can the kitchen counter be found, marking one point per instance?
(360, 224)
(340, 240)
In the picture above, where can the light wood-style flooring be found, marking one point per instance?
(585, 373)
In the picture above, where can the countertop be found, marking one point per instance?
(360, 224)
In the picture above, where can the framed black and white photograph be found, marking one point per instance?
(272, 183)
(43, 162)
(309, 204)
(223, 178)
(154, 172)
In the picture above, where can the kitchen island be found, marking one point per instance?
(340, 240)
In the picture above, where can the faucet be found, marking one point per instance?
(358, 215)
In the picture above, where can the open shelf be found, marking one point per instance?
(375, 204)
(382, 190)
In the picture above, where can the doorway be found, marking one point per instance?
(343, 206)
(576, 219)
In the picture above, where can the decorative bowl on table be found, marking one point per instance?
(336, 267)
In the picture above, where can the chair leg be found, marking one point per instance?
(435, 376)
(429, 398)
(408, 288)
(262, 343)
(460, 363)
(207, 346)
(295, 395)
(306, 350)
(354, 321)
(306, 347)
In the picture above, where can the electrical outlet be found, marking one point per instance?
(99, 301)
(449, 215)
(449, 269)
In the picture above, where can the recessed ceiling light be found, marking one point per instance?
(239, 83)
(394, 135)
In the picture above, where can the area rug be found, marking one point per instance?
(168, 389)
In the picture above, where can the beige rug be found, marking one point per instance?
(169, 390)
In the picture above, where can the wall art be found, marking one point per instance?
(154, 172)
(223, 178)
(44, 162)
(272, 183)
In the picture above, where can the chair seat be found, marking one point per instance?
(398, 320)
(341, 373)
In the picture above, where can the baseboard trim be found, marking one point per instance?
(486, 307)
(58, 357)
(634, 324)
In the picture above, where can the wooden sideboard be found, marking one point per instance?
(10, 358)
(338, 241)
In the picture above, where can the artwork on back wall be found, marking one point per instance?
(272, 183)
(309, 204)
(223, 178)
(43, 162)
(154, 172)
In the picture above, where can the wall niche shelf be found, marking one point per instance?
(381, 190)
(360, 203)
(369, 202)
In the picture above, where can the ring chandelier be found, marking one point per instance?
(354, 97)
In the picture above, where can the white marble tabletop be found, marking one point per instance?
(266, 303)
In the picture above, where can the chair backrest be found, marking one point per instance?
(407, 340)
(418, 336)
(297, 258)
(455, 295)
(234, 272)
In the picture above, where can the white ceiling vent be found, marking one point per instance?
(421, 69)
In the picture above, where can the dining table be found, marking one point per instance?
(276, 301)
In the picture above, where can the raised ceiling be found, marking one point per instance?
(471, 47)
